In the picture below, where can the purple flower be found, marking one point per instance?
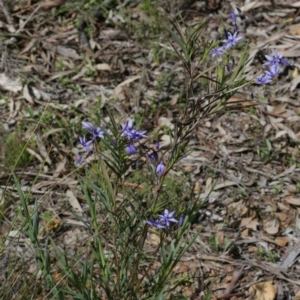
(263, 79)
(155, 223)
(137, 135)
(130, 149)
(86, 144)
(273, 72)
(233, 17)
(130, 132)
(92, 129)
(160, 169)
(231, 40)
(157, 145)
(167, 217)
(217, 51)
(180, 221)
(126, 127)
(80, 160)
(275, 60)
(153, 157)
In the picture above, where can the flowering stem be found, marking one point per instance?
(157, 191)
(143, 237)
(107, 181)
(162, 236)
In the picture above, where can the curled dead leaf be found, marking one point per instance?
(281, 241)
(263, 291)
(271, 227)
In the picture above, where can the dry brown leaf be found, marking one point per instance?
(281, 241)
(51, 3)
(297, 296)
(253, 225)
(244, 211)
(279, 109)
(282, 216)
(42, 149)
(245, 222)
(252, 249)
(295, 72)
(163, 121)
(291, 134)
(208, 183)
(263, 291)
(37, 156)
(221, 130)
(292, 200)
(235, 207)
(245, 232)
(118, 88)
(62, 50)
(282, 206)
(224, 184)
(103, 67)
(294, 83)
(165, 140)
(62, 74)
(189, 291)
(220, 236)
(271, 227)
(270, 201)
(58, 277)
(242, 101)
(286, 171)
(73, 201)
(29, 45)
(253, 5)
(9, 84)
(197, 187)
(294, 30)
(60, 166)
(267, 239)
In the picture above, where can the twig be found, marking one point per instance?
(29, 18)
(8, 18)
(13, 39)
(274, 270)
(272, 114)
(232, 284)
(228, 296)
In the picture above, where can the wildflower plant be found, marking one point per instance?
(273, 62)
(120, 263)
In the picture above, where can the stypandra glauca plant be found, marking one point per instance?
(124, 176)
